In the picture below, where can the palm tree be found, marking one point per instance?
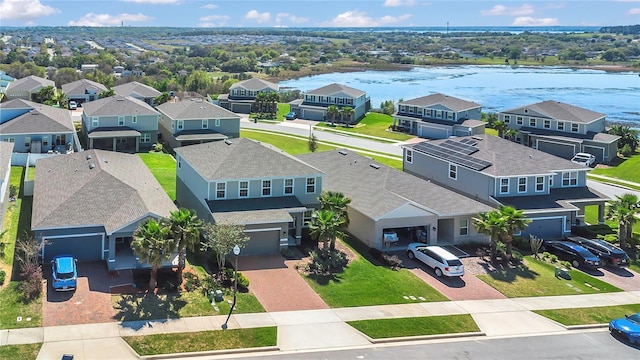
(273, 98)
(261, 99)
(152, 244)
(332, 111)
(623, 210)
(338, 204)
(494, 224)
(628, 136)
(515, 221)
(184, 228)
(325, 226)
(347, 112)
(500, 127)
(61, 99)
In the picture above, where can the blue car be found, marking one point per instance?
(627, 327)
(64, 273)
(291, 116)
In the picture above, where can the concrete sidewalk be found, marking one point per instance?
(310, 329)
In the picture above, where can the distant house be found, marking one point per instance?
(247, 183)
(439, 116)
(36, 128)
(195, 121)
(561, 129)
(5, 80)
(242, 95)
(94, 205)
(119, 123)
(83, 90)
(88, 67)
(314, 104)
(138, 91)
(552, 191)
(27, 88)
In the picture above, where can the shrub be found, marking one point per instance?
(208, 285)
(31, 281)
(3, 275)
(566, 264)
(334, 261)
(392, 261)
(192, 281)
(521, 243)
(287, 253)
(626, 151)
(243, 282)
(157, 147)
(516, 256)
(13, 191)
(553, 258)
(545, 255)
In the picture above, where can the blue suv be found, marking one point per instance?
(64, 273)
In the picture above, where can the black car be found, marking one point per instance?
(608, 254)
(569, 251)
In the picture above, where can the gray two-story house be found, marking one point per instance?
(552, 191)
(119, 123)
(195, 121)
(561, 129)
(314, 104)
(242, 95)
(27, 88)
(83, 90)
(439, 116)
(244, 182)
(138, 91)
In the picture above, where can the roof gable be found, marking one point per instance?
(136, 88)
(449, 102)
(255, 84)
(118, 105)
(83, 86)
(29, 83)
(335, 89)
(557, 110)
(195, 109)
(36, 119)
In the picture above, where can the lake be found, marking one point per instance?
(497, 88)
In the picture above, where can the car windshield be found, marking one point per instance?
(454, 262)
(64, 276)
(585, 253)
(634, 318)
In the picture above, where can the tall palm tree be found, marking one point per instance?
(61, 99)
(152, 244)
(261, 99)
(494, 224)
(347, 112)
(325, 226)
(515, 221)
(628, 136)
(623, 210)
(500, 127)
(184, 227)
(338, 203)
(273, 98)
(332, 111)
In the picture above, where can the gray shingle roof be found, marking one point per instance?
(29, 84)
(40, 119)
(567, 136)
(242, 159)
(376, 192)
(6, 148)
(255, 210)
(135, 88)
(195, 109)
(557, 110)
(117, 191)
(557, 199)
(79, 87)
(447, 101)
(118, 105)
(334, 88)
(255, 84)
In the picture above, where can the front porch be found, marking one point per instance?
(125, 259)
(115, 140)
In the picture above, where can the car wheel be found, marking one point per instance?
(575, 263)
(411, 255)
(438, 272)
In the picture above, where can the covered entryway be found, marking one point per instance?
(84, 247)
(431, 132)
(115, 140)
(562, 150)
(262, 242)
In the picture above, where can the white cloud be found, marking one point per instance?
(531, 21)
(634, 11)
(24, 10)
(394, 19)
(258, 17)
(396, 3)
(92, 19)
(291, 18)
(357, 18)
(210, 6)
(496, 10)
(214, 20)
(154, 2)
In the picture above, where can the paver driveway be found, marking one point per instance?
(623, 278)
(277, 285)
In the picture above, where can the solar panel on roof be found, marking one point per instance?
(459, 147)
(454, 152)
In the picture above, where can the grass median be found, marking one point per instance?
(416, 326)
(22, 351)
(589, 316)
(163, 168)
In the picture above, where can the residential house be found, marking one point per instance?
(27, 88)
(550, 190)
(562, 130)
(195, 121)
(6, 148)
(247, 183)
(314, 104)
(383, 198)
(83, 90)
(89, 204)
(119, 123)
(138, 91)
(5, 80)
(439, 116)
(36, 128)
(242, 95)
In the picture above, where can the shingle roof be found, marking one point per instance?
(135, 88)
(195, 109)
(334, 88)
(242, 159)
(29, 84)
(118, 105)
(556, 199)
(39, 119)
(255, 84)
(378, 191)
(567, 136)
(79, 87)
(255, 210)
(117, 191)
(6, 148)
(557, 110)
(447, 101)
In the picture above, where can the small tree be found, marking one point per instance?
(221, 238)
(313, 143)
(332, 111)
(536, 244)
(106, 93)
(152, 244)
(184, 228)
(27, 252)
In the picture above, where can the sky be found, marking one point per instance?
(318, 13)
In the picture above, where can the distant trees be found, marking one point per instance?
(628, 142)
(388, 107)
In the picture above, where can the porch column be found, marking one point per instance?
(90, 143)
(601, 214)
(114, 144)
(111, 239)
(298, 225)
(137, 143)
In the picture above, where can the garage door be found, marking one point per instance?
(241, 108)
(312, 115)
(547, 229)
(262, 242)
(432, 133)
(561, 150)
(83, 248)
(598, 152)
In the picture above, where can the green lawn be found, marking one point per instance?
(628, 169)
(416, 326)
(13, 306)
(538, 279)
(290, 145)
(492, 132)
(31, 174)
(17, 220)
(22, 352)
(203, 341)
(592, 315)
(374, 124)
(163, 168)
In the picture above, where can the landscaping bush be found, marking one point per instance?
(243, 282)
(392, 261)
(626, 151)
(521, 243)
(192, 282)
(31, 281)
(288, 253)
(334, 261)
(3, 275)
(13, 191)
(566, 264)
(553, 258)
(157, 147)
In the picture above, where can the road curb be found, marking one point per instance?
(585, 326)
(423, 337)
(208, 353)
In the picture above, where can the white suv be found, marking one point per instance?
(585, 159)
(440, 260)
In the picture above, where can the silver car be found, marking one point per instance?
(439, 259)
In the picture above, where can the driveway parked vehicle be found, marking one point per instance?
(585, 159)
(64, 273)
(291, 116)
(439, 259)
(569, 251)
(627, 327)
(608, 254)
(73, 105)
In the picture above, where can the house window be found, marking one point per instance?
(45, 141)
(217, 122)
(504, 186)
(145, 138)
(95, 122)
(409, 156)
(266, 187)
(507, 119)
(311, 185)
(61, 139)
(449, 115)
(574, 127)
(547, 124)
(560, 125)
(539, 183)
(243, 189)
(453, 171)
(519, 120)
(288, 186)
(180, 124)
(221, 190)
(134, 119)
(27, 141)
(569, 178)
(120, 120)
(522, 184)
(439, 113)
(532, 122)
(9, 139)
(464, 227)
(205, 123)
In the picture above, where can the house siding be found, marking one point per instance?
(19, 141)
(197, 186)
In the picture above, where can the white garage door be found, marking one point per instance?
(432, 133)
(262, 242)
(547, 229)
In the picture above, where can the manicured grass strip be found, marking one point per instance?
(203, 341)
(537, 278)
(608, 181)
(591, 315)
(163, 168)
(628, 169)
(22, 352)
(288, 144)
(416, 326)
(13, 306)
(373, 124)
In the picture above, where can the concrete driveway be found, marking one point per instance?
(623, 278)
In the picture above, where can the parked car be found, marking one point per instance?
(73, 105)
(585, 159)
(291, 116)
(64, 273)
(627, 327)
(608, 254)
(569, 251)
(389, 236)
(439, 259)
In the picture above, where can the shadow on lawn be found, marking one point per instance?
(509, 273)
(148, 306)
